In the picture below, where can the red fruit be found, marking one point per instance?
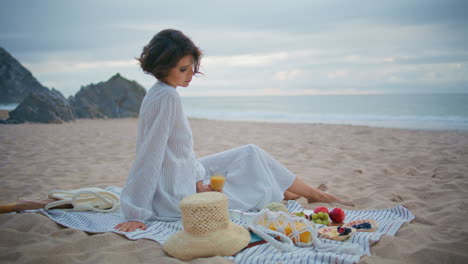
(337, 215)
(321, 209)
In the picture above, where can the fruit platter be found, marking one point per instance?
(331, 222)
(334, 225)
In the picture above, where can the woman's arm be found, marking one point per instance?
(138, 193)
(131, 226)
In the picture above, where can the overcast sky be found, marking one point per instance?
(250, 47)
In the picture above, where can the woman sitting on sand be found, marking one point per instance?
(165, 169)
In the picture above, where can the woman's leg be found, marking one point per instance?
(253, 177)
(290, 196)
(314, 195)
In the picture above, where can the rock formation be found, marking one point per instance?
(115, 98)
(16, 82)
(46, 107)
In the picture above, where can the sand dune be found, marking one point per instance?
(426, 171)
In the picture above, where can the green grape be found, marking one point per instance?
(318, 221)
(324, 216)
(320, 215)
(300, 214)
(314, 216)
(325, 222)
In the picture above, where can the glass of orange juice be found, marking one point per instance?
(217, 182)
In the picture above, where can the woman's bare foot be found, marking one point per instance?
(321, 197)
(314, 195)
(322, 187)
(347, 203)
(292, 196)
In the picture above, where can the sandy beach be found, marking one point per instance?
(376, 168)
(4, 114)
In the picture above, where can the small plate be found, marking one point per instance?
(373, 223)
(332, 233)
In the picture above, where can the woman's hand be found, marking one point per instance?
(203, 187)
(130, 226)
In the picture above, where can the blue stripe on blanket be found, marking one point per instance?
(389, 220)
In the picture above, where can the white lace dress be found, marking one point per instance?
(165, 169)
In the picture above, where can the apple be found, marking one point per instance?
(337, 215)
(321, 209)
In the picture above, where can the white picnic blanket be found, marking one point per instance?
(389, 220)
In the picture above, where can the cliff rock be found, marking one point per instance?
(115, 98)
(16, 82)
(49, 106)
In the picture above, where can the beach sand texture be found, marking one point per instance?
(4, 114)
(426, 171)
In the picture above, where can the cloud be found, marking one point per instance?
(65, 66)
(243, 60)
(444, 57)
(337, 74)
(325, 46)
(288, 75)
(352, 58)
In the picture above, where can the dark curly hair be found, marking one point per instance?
(165, 50)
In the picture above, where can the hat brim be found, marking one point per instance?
(226, 242)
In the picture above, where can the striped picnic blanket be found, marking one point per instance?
(389, 220)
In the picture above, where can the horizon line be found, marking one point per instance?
(321, 94)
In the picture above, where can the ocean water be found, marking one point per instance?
(8, 107)
(427, 111)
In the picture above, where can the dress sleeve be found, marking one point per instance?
(137, 195)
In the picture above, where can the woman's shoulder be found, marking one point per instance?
(161, 96)
(162, 91)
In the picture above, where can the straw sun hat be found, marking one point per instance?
(207, 229)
